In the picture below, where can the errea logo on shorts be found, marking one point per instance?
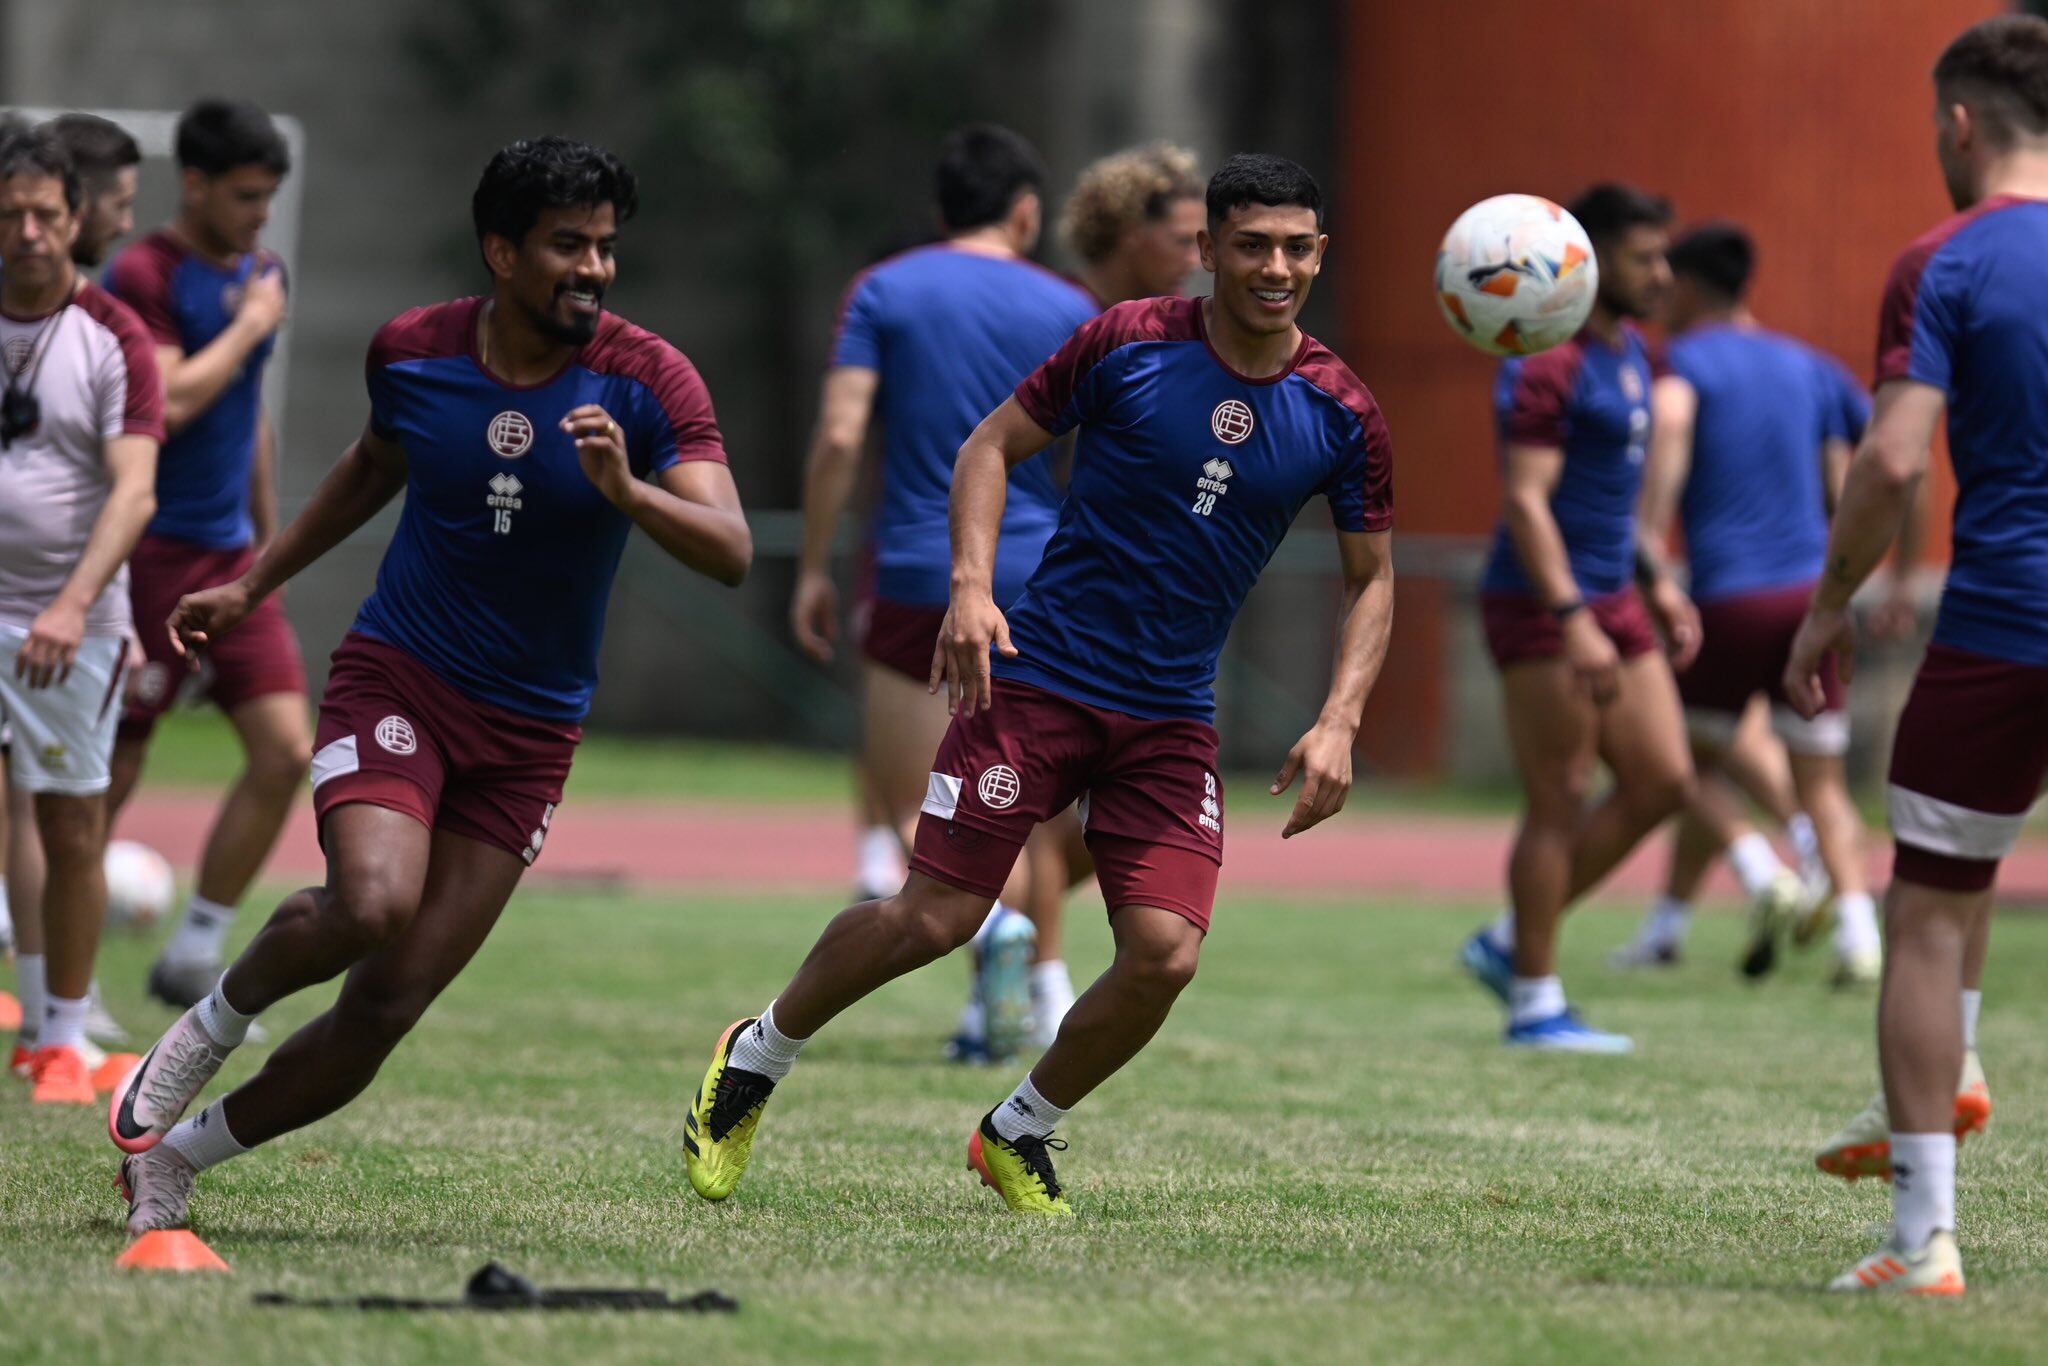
(999, 787)
(395, 734)
(1231, 422)
(510, 434)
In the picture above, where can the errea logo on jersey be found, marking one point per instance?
(503, 500)
(510, 434)
(1231, 422)
(1210, 485)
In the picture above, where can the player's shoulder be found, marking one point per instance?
(146, 263)
(1959, 234)
(635, 353)
(1326, 372)
(430, 332)
(1559, 365)
(109, 312)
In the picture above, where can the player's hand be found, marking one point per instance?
(1594, 660)
(47, 655)
(1898, 615)
(973, 625)
(1680, 620)
(814, 614)
(201, 616)
(601, 450)
(263, 301)
(1323, 759)
(1825, 631)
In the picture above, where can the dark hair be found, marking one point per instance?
(37, 151)
(99, 147)
(1999, 67)
(1608, 210)
(1718, 255)
(216, 136)
(1261, 178)
(982, 169)
(536, 174)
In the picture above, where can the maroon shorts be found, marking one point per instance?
(1150, 799)
(394, 735)
(1520, 629)
(901, 637)
(256, 659)
(1744, 643)
(1967, 764)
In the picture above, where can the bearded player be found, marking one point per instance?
(530, 432)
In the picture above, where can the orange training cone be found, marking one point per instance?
(169, 1249)
(10, 1011)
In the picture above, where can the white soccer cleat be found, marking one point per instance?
(160, 1090)
(158, 1187)
(1860, 969)
(1936, 1269)
(1645, 951)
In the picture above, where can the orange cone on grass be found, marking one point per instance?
(170, 1249)
(10, 1011)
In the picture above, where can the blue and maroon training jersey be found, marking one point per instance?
(1592, 401)
(1966, 310)
(499, 572)
(951, 333)
(1754, 505)
(1186, 477)
(185, 300)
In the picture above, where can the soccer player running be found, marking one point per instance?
(214, 301)
(530, 432)
(1963, 333)
(1751, 432)
(929, 342)
(1205, 426)
(81, 416)
(1581, 672)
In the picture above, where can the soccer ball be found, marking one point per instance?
(140, 886)
(1516, 275)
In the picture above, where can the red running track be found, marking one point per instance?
(666, 846)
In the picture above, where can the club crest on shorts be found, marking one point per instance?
(510, 434)
(1231, 422)
(395, 734)
(998, 787)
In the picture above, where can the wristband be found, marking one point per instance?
(1565, 611)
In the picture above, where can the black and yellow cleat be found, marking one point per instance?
(1019, 1170)
(718, 1130)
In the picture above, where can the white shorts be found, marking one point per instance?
(62, 736)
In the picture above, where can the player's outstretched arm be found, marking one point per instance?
(1882, 482)
(1529, 476)
(694, 513)
(58, 630)
(844, 408)
(1323, 756)
(981, 483)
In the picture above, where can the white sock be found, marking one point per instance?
(1026, 1113)
(1973, 1001)
(989, 923)
(30, 984)
(1806, 846)
(763, 1048)
(1755, 863)
(1534, 998)
(202, 933)
(223, 1024)
(1668, 921)
(204, 1140)
(1855, 924)
(879, 860)
(1051, 985)
(1502, 931)
(63, 1022)
(973, 1020)
(1923, 1187)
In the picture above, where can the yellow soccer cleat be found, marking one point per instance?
(1936, 1269)
(1863, 1147)
(1019, 1170)
(718, 1130)
(1771, 912)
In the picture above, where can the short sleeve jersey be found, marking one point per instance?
(950, 333)
(93, 373)
(498, 575)
(1187, 476)
(1592, 401)
(186, 301)
(1754, 507)
(1966, 311)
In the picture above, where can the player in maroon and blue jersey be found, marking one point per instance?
(1963, 333)
(213, 300)
(1205, 425)
(1581, 672)
(530, 432)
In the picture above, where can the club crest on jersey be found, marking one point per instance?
(510, 434)
(395, 733)
(1231, 422)
(18, 350)
(999, 787)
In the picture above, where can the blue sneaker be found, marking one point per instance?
(1003, 982)
(1564, 1032)
(1489, 967)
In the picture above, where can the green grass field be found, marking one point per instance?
(1326, 1155)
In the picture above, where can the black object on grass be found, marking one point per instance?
(494, 1288)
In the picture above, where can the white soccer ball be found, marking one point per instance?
(140, 886)
(1516, 275)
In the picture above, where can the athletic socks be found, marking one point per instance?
(1501, 933)
(989, 923)
(202, 933)
(29, 985)
(1534, 998)
(879, 861)
(1755, 863)
(763, 1048)
(1052, 994)
(1806, 847)
(63, 1022)
(1923, 1187)
(223, 1024)
(1973, 1001)
(1667, 922)
(1026, 1114)
(204, 1140)
(1855, 924)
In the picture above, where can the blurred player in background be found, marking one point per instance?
(530, 432)
(1751, 433)
(1205, 427)
(80, 420)
(1582, 674)
(929, 342)
(1963, 333)
(1132, 222)
(109, 174)
(214, 300)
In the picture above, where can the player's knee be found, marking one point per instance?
(1656, 796)
(72, 831)
(932, 926)
(371, 912)
(1163, 969)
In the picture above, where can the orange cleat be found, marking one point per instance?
(170, 1249)
(60, 1078)
(20, 1061)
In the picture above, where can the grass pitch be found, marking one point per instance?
(1326, 1155)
